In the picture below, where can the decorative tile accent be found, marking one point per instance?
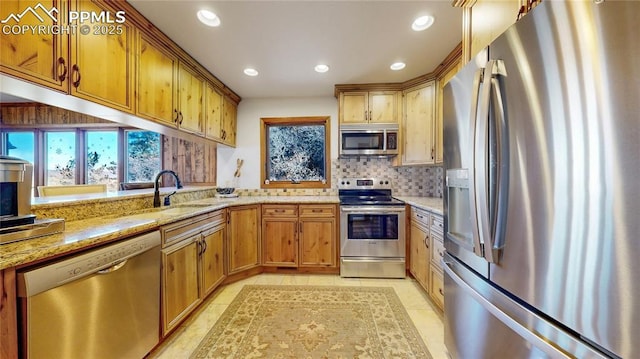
(414, 181)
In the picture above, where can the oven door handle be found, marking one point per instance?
(372, 209)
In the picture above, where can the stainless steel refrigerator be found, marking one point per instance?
(542, 199)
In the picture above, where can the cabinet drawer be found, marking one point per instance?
(280, 210)
(437, 223)
(317, 210)
(420, 216)
(436, 287)
(437, 250)
(179, 230)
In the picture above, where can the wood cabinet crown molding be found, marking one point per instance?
(448, 61)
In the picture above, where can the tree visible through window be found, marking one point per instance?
(295, 152)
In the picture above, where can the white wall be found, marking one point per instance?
(248, 134)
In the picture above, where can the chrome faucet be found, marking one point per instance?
(156, 189)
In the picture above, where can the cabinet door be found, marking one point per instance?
(156, 90)
(39, 58)
(179, 281)
(212, 259)
(229, 122)
(418, 126)
(446, 77)
(104, 47)
(354, 107)
(191, 88)
(213, 113)
(243, 238)
(280, 240)
(318, 242)
(419, 257)
(383, 107)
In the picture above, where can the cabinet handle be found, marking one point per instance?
(62, 63)
(279, 210)
(370, 116)
(199, 245)
(300, 225)
(204, 245)
(76, 70)
(316, 210)
(441, 291)
(426, 241)
(175, 120)
(433, 153)
(181, 118)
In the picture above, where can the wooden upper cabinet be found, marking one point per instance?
(229, 122)
(439, 127)
(213, 112)
(40, 58)
(102, 60)
(483, 21)
(418, 126)
(368, 107)
(354, 107)
(190, 100)
(383, 106)
(156, 81)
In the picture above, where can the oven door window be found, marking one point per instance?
(362, 141)
(372, 226)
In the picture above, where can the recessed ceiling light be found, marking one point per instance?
(397, 66)
(208, 18)
(250, 72)
(321, 68)
(422, 23)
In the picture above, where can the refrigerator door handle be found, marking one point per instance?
(480, 178)
(502, 165)
(477, 241)
(518, 328)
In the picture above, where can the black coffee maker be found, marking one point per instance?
(15, 192)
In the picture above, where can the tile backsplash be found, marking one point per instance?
(420, 181)
(415, 181)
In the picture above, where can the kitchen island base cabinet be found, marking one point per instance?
(243, 237)
(192, 265)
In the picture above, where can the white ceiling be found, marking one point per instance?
(284, 40)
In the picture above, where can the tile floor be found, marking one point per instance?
(426, 318)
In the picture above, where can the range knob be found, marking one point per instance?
(380, 182)
(386, 182)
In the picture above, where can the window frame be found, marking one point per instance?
(265, 122)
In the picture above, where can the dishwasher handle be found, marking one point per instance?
(113, 268)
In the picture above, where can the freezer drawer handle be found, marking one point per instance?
(540, 343)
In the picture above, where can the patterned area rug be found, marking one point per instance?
(271, 321)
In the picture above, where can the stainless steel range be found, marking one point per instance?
(372, 229)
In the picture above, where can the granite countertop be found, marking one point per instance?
(86, 233)
(91, 232)
(431, 204)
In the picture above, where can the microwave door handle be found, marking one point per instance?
(475, 95)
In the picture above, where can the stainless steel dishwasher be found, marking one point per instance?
(104, 303)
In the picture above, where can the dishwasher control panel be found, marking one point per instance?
(57, 273)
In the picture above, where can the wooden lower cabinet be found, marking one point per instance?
(212, 256)
(426, 251)
(192, 265)
(243, 236)
(419, 256)
(179, 281)
(299, 235)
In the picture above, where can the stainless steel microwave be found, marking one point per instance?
(369, 139)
